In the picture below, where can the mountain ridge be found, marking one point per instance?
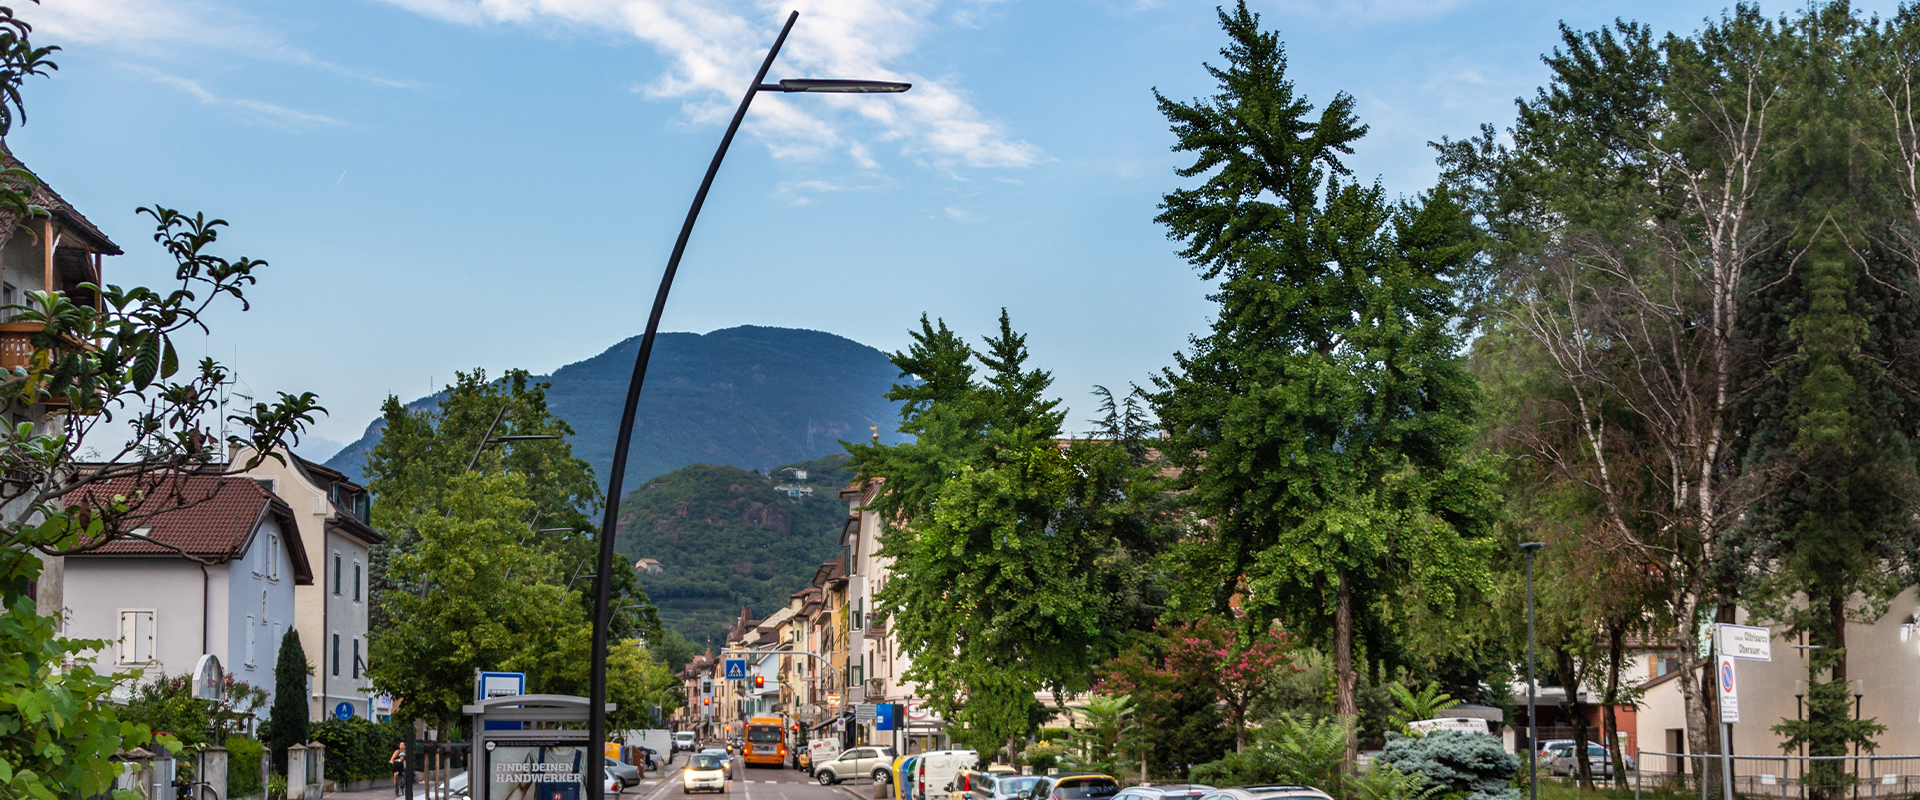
(751, 397)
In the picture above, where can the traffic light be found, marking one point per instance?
(706, 701)
(759, 681)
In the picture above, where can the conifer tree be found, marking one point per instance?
(1323, 424)
(288, 721)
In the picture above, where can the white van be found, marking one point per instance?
(682, 740)
(939, 772)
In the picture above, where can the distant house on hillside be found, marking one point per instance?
(210, 567)
(649, 565)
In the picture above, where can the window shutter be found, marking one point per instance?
(253, 635)
(143, 637)
(356, 658)
(336, 655)
(126, 637)
(356, 581)
(336, 574)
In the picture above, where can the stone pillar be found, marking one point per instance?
(212, 768)
(296, 772)
(317, 759)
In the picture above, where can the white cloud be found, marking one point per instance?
(959, 214)
(276, 116)
(715, 45)
(149, 27)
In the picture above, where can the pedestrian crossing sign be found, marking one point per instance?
(736, 669)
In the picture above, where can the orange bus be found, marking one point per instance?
(766, 743)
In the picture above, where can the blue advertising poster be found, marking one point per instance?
(883, 717)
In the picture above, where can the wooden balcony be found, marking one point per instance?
(16, 350)
(16, 343)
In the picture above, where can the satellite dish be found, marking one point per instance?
(209, 680)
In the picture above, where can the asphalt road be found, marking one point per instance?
(758, 783)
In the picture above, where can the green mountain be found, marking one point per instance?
(749, 397)
(726, 538)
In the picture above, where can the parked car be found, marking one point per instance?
(1560, 759)
(993, 786)
(455, 786)
(942, 772)
(704, 772)
(1172, 791)
(1080, 787)
(628, 774)
(855, 763)
(613, 786)
(1273, 792)
(726, 758)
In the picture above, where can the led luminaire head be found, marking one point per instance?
(834, 86)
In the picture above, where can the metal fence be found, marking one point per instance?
(1863, 777)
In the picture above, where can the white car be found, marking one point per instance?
(705, 772)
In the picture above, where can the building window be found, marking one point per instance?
(253, 634)
(136, 637)
(336, 655)
(356, 580)
(336, 574)
(1664, 664)
(356, 658)
(265, 483)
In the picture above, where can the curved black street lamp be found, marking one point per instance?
(597, 699)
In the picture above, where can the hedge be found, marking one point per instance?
(357, 749)
(243, 766)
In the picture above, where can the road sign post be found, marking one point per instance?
(1734, 643)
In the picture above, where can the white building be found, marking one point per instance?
(332, 513)
(211, 567)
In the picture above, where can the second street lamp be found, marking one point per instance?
(597, 693)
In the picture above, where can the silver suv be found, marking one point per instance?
(857, 762)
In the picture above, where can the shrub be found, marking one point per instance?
(243, 766)
(287, 724)
(1456, 762)
(1303, 750)
(357, 748)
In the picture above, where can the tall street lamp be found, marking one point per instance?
(597, 699)
(1533, 718)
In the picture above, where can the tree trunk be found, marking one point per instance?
(1616, 654)
(1837, 617)
(1344, 706)
(1567, 667)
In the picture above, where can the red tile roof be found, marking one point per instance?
(205, 516)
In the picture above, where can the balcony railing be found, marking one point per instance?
(16, 349)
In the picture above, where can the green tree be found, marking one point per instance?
(481, 604)
(288, 722)
(421, 453)
(1322, 427)
(58, 726)
(1017, 561)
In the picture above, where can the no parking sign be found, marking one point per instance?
(1729, 691)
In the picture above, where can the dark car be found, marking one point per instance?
(1172, 791)
(1081, 787)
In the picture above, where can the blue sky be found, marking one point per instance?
(448, 184)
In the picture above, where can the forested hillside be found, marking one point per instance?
(727, 539)
(751, 397)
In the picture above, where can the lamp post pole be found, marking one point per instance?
(603, 586)
(1533, 718)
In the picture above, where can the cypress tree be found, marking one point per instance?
(288, 722)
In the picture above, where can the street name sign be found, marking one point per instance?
(865, 712)
(1746, 642)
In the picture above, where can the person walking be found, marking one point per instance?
(398, 761)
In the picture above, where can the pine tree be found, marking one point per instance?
(288, 721)
(1323, 424)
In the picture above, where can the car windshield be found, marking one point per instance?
(1086, 788)
(704, 761)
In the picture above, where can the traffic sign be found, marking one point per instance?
(864, 712)
(883, 717)
(1750, 643)
(736, 669)
(1729, 691)
(343, 711)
